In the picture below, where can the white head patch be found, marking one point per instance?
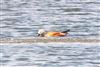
(41, 31)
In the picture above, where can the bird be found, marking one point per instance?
(44, 33)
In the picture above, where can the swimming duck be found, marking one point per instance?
(44, 33)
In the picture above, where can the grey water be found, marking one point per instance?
(50, 55)
(23, 18)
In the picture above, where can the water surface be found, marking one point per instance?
(50, 55)
(22, 18)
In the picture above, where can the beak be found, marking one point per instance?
(38, 34)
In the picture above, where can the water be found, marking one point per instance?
(50, 55)
(22, 18)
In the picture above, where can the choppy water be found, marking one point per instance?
(50, 55)
(22, 18)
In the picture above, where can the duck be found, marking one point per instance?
(44, 33)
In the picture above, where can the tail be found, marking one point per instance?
(66, 31)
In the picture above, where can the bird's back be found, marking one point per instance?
(55, 34)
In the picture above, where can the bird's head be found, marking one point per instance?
(41, 32)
